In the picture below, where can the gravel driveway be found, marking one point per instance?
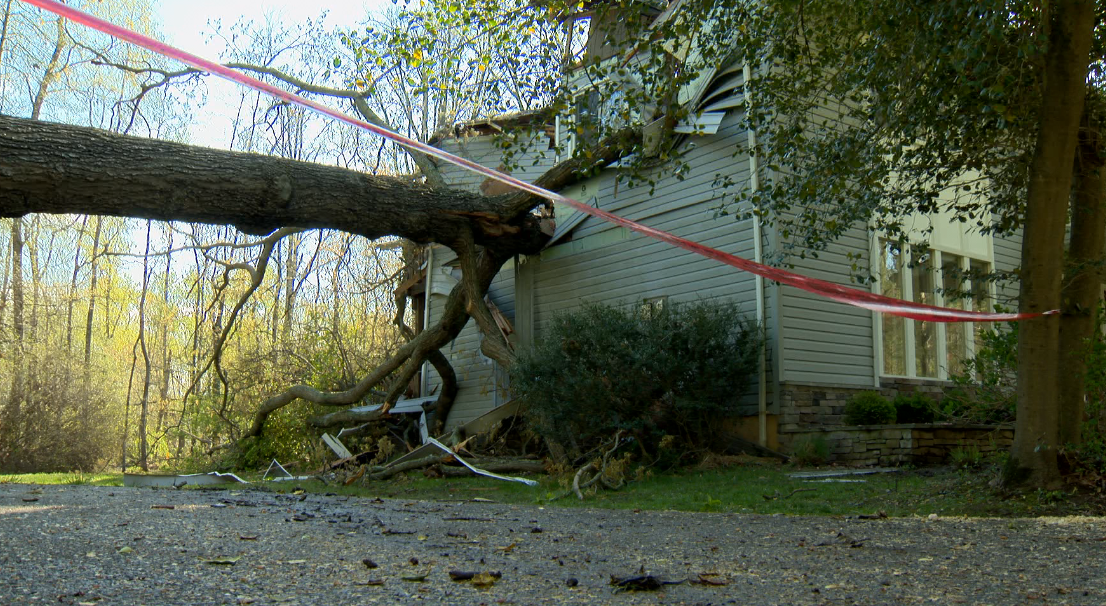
(103, 545)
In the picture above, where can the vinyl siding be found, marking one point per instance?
(1008, 254)
(824, 342)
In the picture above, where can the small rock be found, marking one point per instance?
(572, 582)
(369, 563)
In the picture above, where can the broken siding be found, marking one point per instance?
(483, 150)
(710, 158)
(480, 383)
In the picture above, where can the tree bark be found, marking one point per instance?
(1082, 280)
(66, 169)
(1033, 458)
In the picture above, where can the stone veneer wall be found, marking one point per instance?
(807, 406)
(917, 444)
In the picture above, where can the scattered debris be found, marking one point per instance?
(641, 582)
(214, 478)
(225, 561)
(485, 579)
(287, 476)
(600, 466)
(336, 445)
(461, 575)
(417, 578)
(163, 506)
(709, 578)
(842, 472)
(478, 471)
(872, 516)
(370, 582)
(778, 495)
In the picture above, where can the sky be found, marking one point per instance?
(184, 24)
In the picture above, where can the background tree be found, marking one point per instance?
(869, 112)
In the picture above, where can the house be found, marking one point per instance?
(818, 353)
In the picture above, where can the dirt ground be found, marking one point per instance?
(103, 545)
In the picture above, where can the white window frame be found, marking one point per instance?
(909, 342)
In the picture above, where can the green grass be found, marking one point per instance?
(753, 487)
(744, 488)
(71, 478)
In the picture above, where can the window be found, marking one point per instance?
(653, 306)
(933, 277)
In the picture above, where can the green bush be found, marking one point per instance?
(914, 408)
(671, 371)
(869, 408)
(985, 390)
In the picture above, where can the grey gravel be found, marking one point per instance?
(66, 545)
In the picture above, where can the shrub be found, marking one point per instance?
(914, 408)
(967, 457)
(672, 371)
(869, 408)
(985, 390)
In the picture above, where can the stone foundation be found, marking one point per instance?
(890, 445)
(807, 406)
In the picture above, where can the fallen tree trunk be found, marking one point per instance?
(56, 168)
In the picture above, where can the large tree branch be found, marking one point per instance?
(56, 168)
(454, 317)
(611, 149)
(162, 77)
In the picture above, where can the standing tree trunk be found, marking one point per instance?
(91, 314)
(291, 267)
(144, 411)
(1083, 278)
(12, 422)
(1033, 458)
(71, 302)
(166, 351)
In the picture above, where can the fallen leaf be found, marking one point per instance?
(508, 548)
(416, 578)
(247, 537)
(484, 579)
(163, 506)
(295, 561)
(30, 499)
(370, 582)
(126, 550)
(224, 561)
(712, 579)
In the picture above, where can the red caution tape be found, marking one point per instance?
(836, 292)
